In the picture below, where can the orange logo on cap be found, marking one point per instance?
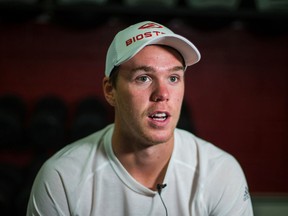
(150, 25)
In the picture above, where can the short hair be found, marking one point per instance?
(114, 76)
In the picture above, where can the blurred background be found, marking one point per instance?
(52, 57)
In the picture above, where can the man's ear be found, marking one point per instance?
(108, 91)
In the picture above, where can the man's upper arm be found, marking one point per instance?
(228, 192)
(48, 195)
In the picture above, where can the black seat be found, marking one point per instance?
(12, 118)
(47, 127)
(90, 116)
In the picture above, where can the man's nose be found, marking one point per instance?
(160, 92)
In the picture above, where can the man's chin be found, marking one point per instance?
(161, 138)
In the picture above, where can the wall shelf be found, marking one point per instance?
(93, 13)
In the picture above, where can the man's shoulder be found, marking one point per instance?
(73, 165)
(79, 153)
(206, 153)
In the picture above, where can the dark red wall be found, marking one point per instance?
(237, 94)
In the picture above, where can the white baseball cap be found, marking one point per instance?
(128, 42)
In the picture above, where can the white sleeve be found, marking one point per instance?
(48, 195)
(226, 190)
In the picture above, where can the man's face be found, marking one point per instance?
(148, 96)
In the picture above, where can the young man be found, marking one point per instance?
(141, 164)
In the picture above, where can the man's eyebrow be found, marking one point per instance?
(151, 69)
(143, 68)
(177, 68)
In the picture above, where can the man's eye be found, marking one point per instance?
(143, 79)
(173, 78)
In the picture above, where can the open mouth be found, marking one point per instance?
(159, 116)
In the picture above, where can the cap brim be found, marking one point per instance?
(189, 52)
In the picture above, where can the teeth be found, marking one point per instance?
(159, 115)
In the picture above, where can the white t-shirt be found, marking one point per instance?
(85, 178)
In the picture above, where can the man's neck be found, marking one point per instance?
(147, 164)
